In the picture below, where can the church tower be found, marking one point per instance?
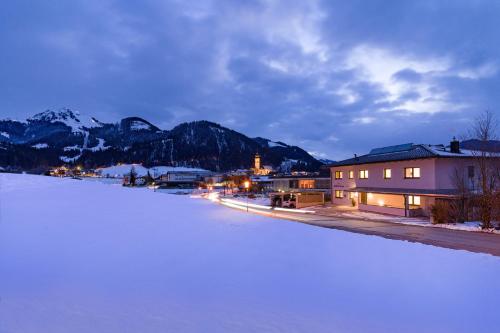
(257, 162)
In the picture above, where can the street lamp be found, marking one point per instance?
(247, 186)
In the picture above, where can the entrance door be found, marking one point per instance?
(363, 198)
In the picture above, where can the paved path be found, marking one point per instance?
(448, 238)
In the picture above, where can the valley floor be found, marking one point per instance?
(78, 256)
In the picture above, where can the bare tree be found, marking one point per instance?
(459, 208)
(487, 160)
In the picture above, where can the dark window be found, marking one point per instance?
(470, 171)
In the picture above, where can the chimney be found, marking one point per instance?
(356, 157)
(455, 146)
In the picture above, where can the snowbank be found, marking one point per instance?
(91, 257)
(424, 222)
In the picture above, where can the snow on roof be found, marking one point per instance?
(397, 153)
(258, 179)
(165, 169)
(441, 150)
(119, 171)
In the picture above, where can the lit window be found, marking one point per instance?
(339, 194)
(306, 183)
(387, 173)
(363, 174)
(414, 200)
(351, 174)
(352, 195)
(412, 173)
(339, 174)
(416, 172)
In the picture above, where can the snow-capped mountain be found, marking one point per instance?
(52, 138)
(67, 117)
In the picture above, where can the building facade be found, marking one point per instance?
(188, 178)
(404, 180)
(302, 183)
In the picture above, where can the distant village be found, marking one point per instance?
(440, 182)
(260, 180)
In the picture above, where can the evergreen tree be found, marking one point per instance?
(132, 176)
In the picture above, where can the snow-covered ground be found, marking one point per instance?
(258, 200)
(100, 145)
(40, 146)
(78, 256)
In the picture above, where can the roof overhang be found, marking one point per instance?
(404, 191)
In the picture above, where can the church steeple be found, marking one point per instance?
(257, 162)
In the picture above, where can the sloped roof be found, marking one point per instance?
(401, 153)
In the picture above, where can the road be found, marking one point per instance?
(448, 238)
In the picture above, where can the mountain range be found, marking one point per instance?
(55, 137)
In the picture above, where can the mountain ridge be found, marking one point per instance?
(63, 136)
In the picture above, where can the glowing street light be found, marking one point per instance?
(246, 184)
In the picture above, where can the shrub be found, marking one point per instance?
(440, 212)
(496, 210)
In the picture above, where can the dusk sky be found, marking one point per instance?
(333, 77)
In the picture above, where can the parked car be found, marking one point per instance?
(289, 201)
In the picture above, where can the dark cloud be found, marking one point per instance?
(335, 77)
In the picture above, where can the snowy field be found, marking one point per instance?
(79, 256)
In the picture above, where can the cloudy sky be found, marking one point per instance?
(334, 77)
